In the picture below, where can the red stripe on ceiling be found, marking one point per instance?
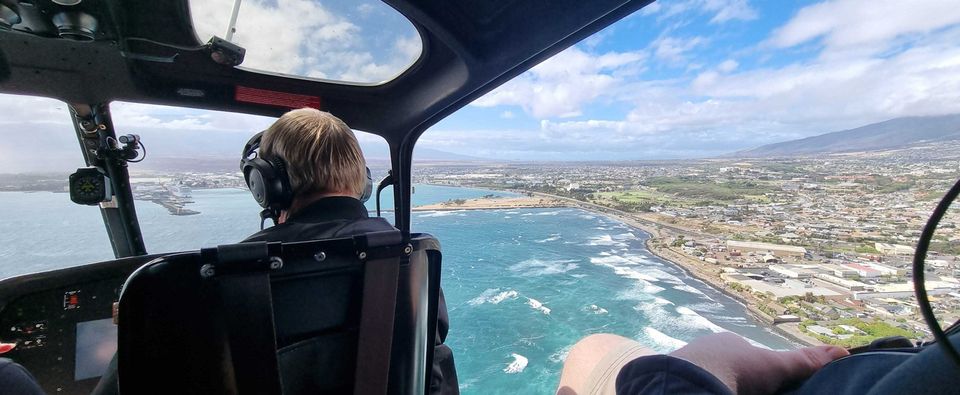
(274, 98)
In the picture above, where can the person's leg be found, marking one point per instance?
(592, 365)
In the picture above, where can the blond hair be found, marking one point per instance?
(320, 151)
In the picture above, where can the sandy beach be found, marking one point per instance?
(495, 203)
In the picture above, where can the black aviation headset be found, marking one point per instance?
(269, 183)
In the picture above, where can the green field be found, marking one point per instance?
(696, 188)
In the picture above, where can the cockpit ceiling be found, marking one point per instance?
(149, 51)
(340, 40)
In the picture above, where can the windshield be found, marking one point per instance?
(343, 41)
(189, 189)
(692, 159)
(698, 167)
(44, 229)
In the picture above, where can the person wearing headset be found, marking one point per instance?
(311, 178)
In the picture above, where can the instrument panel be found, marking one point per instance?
(62, 323)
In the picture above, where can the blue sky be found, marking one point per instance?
(698, 78)
(678, 79)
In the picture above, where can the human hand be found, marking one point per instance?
(747, 369)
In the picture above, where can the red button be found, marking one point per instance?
(5, 347)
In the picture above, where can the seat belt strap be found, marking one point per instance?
(375, 339)
(248, 315)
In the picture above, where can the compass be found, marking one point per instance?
(89, 186)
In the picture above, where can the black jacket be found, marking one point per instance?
(345, 216)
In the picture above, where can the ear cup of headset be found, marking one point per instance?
(268, 182)
(368, 188)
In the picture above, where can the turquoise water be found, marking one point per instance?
(521, 285)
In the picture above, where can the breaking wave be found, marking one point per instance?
(560, 355)
(553, 237)
(663, 342)
(493, 296)
(537, 267)
(518, 365)
(444, 213)
(595, 309)
(536, 305)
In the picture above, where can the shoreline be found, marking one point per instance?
(696, 270)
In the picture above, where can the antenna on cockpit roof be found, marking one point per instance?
(233, 20)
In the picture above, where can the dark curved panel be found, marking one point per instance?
(52, 315)
(4, 67)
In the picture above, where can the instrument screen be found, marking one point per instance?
(96, 344)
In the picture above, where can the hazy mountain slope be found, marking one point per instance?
(895, 133)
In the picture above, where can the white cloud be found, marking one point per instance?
(559, 86)
(727, 10)
(302, 37)
(673, 49)
(721, 10)
(847, 23)
(507, 115)
(728, 66)
(730, 107)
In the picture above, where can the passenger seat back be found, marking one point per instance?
(264, 318)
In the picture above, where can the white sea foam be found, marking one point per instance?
(500, 297)
(657, 273)
(468, 383)
(687, 288)
(493, 296)
(595, 309)
(444, 213)
(560, 355)
(662, 301)
(698, 320)
(518, 365)
(482, 298)
(536, 305)
(640, 291)
(663, 342)
(627, 272)
(606, 258)
(605, 240)
(553, 237)
(542, 213)
(709, 307)
(537, 267)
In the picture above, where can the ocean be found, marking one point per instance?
(522, 285)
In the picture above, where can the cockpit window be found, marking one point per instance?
(43, 230)
(189, 191)
(344, 41)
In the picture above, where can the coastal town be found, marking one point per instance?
(821, 248)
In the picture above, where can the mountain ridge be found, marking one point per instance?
(890, 134)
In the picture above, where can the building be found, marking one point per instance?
(862, 271)
(775, 249)
(848, 284)
(821, 330)
(792, 271)
(893, 249)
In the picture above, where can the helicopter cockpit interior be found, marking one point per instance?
(361, 313)
(91, 53)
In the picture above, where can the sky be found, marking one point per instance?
(678, 79)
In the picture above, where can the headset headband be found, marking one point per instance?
(252, 145)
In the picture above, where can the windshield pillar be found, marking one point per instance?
(94, 129)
